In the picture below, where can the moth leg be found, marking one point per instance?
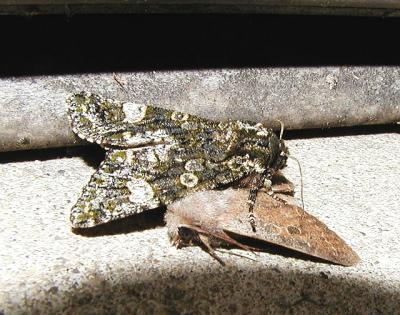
(116, 79)
(188, 235)
(278, 183)
(256, 184)
(236, 254)
(275, 183)
(205, 242)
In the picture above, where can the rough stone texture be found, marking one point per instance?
(33, 109)
(350, 183)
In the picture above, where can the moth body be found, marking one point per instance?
(156, 156)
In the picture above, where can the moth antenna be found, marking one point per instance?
(234, 254)
(282, 128)
(301, 178)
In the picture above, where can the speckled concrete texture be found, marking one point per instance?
(351, 182)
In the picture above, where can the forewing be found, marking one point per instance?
(280, 221)
(133, 180)
(117, 190)
(112, 123)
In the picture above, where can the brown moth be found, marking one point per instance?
(212, 217)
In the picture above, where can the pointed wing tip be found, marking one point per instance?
(351, 259)
(341, 254)
(73, 97)
(81, 224)
(80, 219)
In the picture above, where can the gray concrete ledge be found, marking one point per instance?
(350, 182)
(33, 109)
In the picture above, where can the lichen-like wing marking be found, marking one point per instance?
(112, 123)
(117, 190)
(133, 180)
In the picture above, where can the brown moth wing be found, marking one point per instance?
(278, 221)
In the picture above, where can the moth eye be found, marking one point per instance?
(188, 179)
(178, 116)
(186, 234)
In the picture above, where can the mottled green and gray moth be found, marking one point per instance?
(158, 157)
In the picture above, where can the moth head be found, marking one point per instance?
(283, 155)
(282, 150)
(278, 153)
(187, 236)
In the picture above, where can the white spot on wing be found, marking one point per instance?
(188, 179)
(157, 136)
(179, 116)
(194, 165)
(134, 112)
(263, 132)
(189, 125)
(142, 193)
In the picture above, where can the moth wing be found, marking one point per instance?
(280, 221)
(117, 189)
(225, 213)
(133, 180)
(113, 123)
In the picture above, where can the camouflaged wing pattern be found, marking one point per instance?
(155, 156)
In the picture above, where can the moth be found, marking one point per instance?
(215, 218)
(158, 157)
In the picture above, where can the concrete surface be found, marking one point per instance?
(33, 108)
(351, 182)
